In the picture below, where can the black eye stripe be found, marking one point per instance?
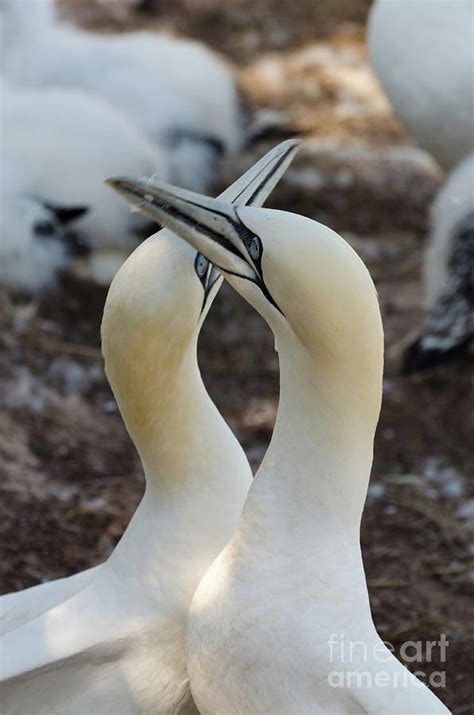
(255, 248)
(207, 277)
(201, 266)
(260, 284)
(251, 200)
(246, 235)
(249, 238)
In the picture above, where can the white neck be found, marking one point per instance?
(196, 473)
(315, 474)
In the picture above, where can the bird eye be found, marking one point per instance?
(201, 264)
(255, 248)
(44, 228)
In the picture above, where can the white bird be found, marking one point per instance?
(422, 53)
(37, 239)
(179, 93)
(64, 143)
(117, 646)
(448, 329)
(291, 581)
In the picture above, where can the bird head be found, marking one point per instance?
(38, 241)
(304, 279)
(160, 296)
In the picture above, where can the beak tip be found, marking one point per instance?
(115, 181)
(292, 143)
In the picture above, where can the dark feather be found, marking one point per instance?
(449, 327)
(66, 214)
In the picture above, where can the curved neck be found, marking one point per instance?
(196, 473)
(316, 470)
(166, 409)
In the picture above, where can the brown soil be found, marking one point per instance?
(71, 477)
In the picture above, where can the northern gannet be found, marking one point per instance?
(37, 238)
(63, 143)
(117, 646)
(291, 579)
(179, 93)
(422, 53)
(448, 330)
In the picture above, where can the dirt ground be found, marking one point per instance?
(70, 476)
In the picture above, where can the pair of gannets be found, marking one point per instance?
(112, 639)
(422, 51)
(177, 92)
(291, 579)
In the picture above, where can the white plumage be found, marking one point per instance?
(448, 269)
(177, 92)
(422, 53)
(64, 143)
(117, 645)
(452, 208)
(35, 243)
(291, 578)
(22, 606)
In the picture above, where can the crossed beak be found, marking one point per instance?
(212, 226)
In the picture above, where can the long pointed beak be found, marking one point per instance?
(258, 182)
(212, 226)
(251, 189)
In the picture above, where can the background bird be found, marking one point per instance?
(58, 146)
(180, 94)
(422, 53)
(39, 238)
(64, 143)
(448, 275)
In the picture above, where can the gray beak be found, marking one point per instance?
(251, 189)
(255, 186)
(212, 226)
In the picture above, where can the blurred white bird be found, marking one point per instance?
(179, 93)
(117, 644)
(422, 53)
(448, 330)
(64, 143)
(269, 620)
(37, 239)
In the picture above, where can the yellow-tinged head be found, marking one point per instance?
(154, 311)
(306, 281)
(150, 327)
